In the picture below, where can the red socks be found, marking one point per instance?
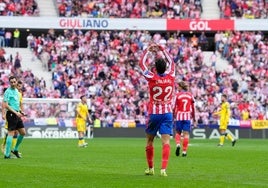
(178, 138)
(150, 156)
(185, 143)
(165, 155)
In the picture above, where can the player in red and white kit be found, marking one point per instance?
(184, 112)
(161, 90)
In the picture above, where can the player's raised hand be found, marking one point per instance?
(153, 47)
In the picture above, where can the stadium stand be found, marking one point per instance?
(29, 62)
(47, 8)
(210, 10)
(130, 9)
(103, 64)
(19, 8)
(249, 9)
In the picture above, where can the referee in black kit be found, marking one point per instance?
(11, 112)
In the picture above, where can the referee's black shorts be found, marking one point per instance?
(13, 121)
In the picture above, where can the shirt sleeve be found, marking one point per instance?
(142, 63)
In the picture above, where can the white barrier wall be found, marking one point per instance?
(133, 24)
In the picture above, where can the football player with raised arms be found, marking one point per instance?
(161, 87)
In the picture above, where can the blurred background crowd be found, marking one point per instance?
(104, 64)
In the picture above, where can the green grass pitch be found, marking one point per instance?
(120, 162)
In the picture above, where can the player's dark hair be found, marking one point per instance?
(12, 77)
(183, 85)
(160, 65)
(82, 96)
(224, 95)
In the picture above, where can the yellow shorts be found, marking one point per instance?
(223, 125)
(80, 125)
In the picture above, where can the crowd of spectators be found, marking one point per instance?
(103, 65)
(130, 8)
(247, 9)
(9, 36)
(247, 54)
(180, 9)
(19, 8)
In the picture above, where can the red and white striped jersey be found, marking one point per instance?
(184, 106)
(161, 87)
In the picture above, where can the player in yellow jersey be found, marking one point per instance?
(82, 116)
(224, 114)
(14, 140)
(3, 145)
(245, 114)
